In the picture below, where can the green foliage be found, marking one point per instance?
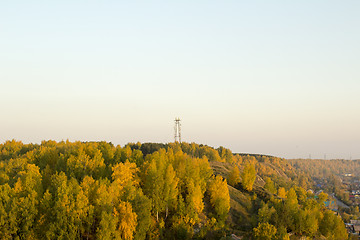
(322, 197)
(107, 227)
(270, 185)
(265, 213)
(160, 182)
(265, 231)
(8, 226)
(332, 227)
(281, 234)
(226, 154)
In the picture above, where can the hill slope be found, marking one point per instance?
(95, 190)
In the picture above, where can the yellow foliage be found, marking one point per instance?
(219, 196)
(281, 192)
(125, 173)
(127, 220)
(234, 176)
(248, 176)
(197, 199)
(265, 231)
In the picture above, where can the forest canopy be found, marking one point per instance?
(96, 190)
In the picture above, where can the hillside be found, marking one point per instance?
(95, 190)
(337, 177)
(324, 168)
(243, 208)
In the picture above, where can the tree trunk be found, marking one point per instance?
(167, 211)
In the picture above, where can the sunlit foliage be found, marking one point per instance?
(248, 177)
(95, 190)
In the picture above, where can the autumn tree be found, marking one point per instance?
(126, 220)
(94, 190)
(8, 225)
(248, 177)
(193, 174)
(332, 227)
(270, 185)
(322, 197)
(26, 196)
(219, 197)
(160, 182)
(107, 228)
(234, 176)
(124, 175)
(281, 192)
(265, 213)
(225, 154)
(81, 165)
(281, 234)
(265, 231)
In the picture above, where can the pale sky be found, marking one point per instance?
(271, 77)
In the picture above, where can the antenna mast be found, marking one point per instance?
(177, 130)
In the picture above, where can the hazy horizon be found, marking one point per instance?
(278, 78)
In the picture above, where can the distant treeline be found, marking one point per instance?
(325, 168)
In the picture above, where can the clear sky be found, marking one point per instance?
(271, 77)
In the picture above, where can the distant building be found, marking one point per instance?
(330, 204)
(350, 227)
(356, 225)
(355, 192)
